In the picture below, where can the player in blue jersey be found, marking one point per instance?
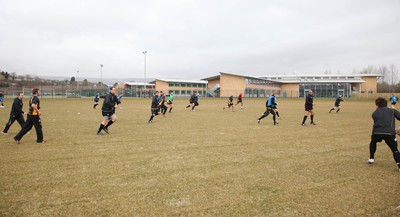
(271, 107)
(96, 100)
(393, 100)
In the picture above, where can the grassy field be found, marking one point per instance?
(210, 162)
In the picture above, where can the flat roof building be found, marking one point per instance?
(181, 87)
(227, 84)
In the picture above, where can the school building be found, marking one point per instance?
(227, 84)
(181, 88)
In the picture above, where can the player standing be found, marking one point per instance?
(108, 111)
(271, 106)
(309, 104)
(394, 100)
(240, 100)
(1, 99)
(384, 129)
(154, 107)
(16, 114)
(337, 104)
(33, 119)
(96, 100)
(230, 103)
(119, 99)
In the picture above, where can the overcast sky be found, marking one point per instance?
(196, 38)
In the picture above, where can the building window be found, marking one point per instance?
(171, 84)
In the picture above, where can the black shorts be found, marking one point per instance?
(238, 101)
(309, 108)
(107, 114)
(394, 103)
(337, 105)
(154, 111)
(230, 104)
(195, 103)
(169, 103)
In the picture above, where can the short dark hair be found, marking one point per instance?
(35, 90)
(19, 94)
(381, 102)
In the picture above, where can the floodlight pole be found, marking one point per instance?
(145, 85)
(101, 75)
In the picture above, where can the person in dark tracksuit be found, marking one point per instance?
(271, 107)
(337, 104)
(33, 119)
(155, 108)
(110, 103)
(384, 129)
(309, 108)
(16, 114)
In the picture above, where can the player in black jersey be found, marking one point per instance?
(384, 129)
(33, 119)
(16, 114)
(337, 104)
(155, 108)
(309, 108)
(230, 103)
(161, 103)
(110, 103)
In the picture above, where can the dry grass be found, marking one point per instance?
(211, 162)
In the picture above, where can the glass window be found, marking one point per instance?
(171, 84)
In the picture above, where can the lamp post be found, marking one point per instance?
(145, 86)
(101, 75)
(77, 80)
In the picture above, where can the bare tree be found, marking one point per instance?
(383, 71)
(392, 76)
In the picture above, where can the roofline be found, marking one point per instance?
(181, 81)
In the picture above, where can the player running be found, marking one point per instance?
(394, 100)
(271, 106)
(33, 119)
(170, 99)
(108, 111)
(309, 104)
(240, 100)
(230, 103)
(16, 114)
(337, 104)
(161, 103)
(191, 100)
(154, 107)
(384, 129)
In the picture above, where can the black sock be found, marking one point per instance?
(304, 119)
(337, 110)
(151, 118)
(100, 128)
(187, 106)
(331, 109)
(170, 109)
(108, 124)
(263, 116)
(274, 118)
(193, 107)
(312, 118)
(277, 113)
